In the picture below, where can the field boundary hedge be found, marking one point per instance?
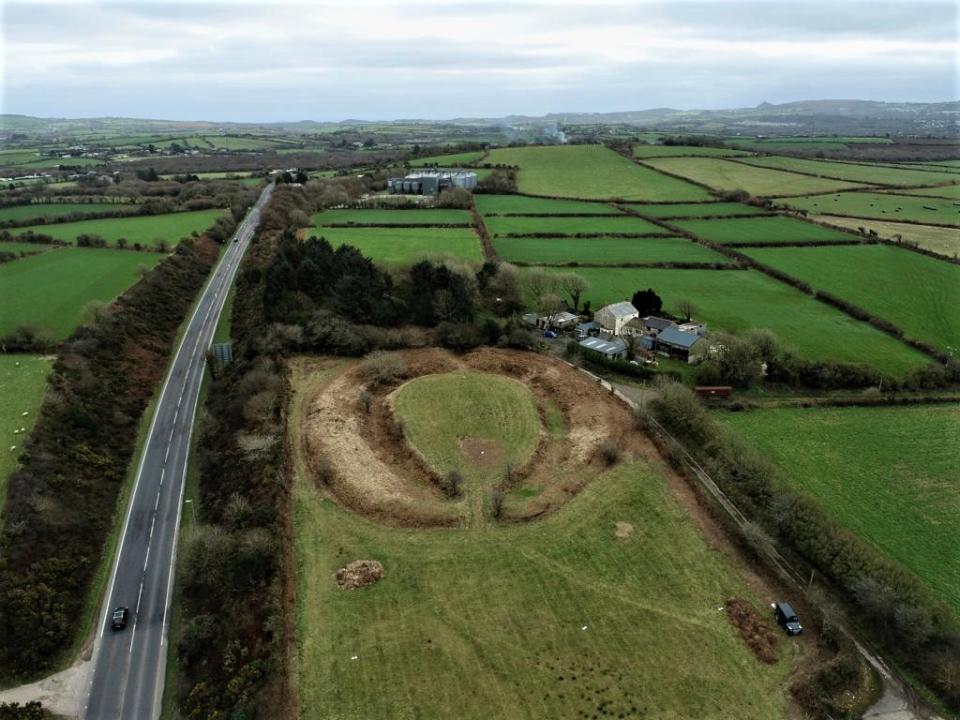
(662, 264)
(948, 226)
(62, 502)
(903, 244)
(394, 225)
(801, 243)
(584, 235)
(480, 228)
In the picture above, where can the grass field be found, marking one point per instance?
(603, 251)
(951, 192)
(737, 300)
(591, 172)
(571, 225)
(519, 204)
(23, 247)
(405, 217)
(854, 172)
(148, 230)
(649, 151)
(696, 209)
(942, 240)
(888, 474)
(52, 210)
(882, 206)
(398, 245)
(774, 229)
(23, 381)
(552, 618)
(725, 175)
(918, 293)
(440, 411)
(451, 160)
(52, 290)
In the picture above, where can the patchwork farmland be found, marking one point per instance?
(888, 474)
(23, 382)
(54, 290)
(761, 230)
(147, 230)
(881, 206)
(590, 172)
(404, 245)
(604, 251)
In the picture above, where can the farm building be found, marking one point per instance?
(683, 345)
(615, 349)
(613, 318)
(588, 329)
(431, 182)
(561, 321)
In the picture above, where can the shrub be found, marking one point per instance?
(453, 484)
(384, 368)
(609, 451)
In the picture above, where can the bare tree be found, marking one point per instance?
(686, 308)
(551, 305)
(573, 285)
(538, 282)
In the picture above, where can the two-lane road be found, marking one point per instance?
(128, 666)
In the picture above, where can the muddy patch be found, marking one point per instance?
(757, 633)
(482, 453)
(624, 529)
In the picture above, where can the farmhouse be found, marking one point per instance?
(431, 182)
(682, 345)
(615, 349)
(613, 318)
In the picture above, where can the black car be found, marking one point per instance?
(118, 621)
(787, 618)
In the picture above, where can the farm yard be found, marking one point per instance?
(935, 238)
(392, 217)
(590, 172)
(601, 607)
(23, 382)
(685, 210)
(881, 206)
(725, 175)
(918, 293)
(854, 172)
(523, 205)
(603, 251)
(400, 245)
(53, 290)
(737, 300)
(888, 474)
(766, 230)
(148, 230)
(622, 224)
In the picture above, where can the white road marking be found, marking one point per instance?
(154, 521)
(156, 504)
(139, 596)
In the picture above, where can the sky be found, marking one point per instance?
(271, 61)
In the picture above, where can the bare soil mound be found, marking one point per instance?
(756, 632)
(358, 453)
(624, 529)
(358, 574)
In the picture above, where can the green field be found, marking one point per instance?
(451, 160)
(440, 411)
(551, 618)
(649, 151)
(942, 240)
(604, 251)
(23, 381)
(918, 293)
(393, 217)
(500, 225)
(22, 247)
(737, 300)
(853, 172)
(53, 210)
(52, 290)
(399, 245)
(889, 474)
(520, 205)
(148, 230)
(696, 209)
(951, 192)
(882, 206)
(773, 229)
(591, 172)
(725, 175)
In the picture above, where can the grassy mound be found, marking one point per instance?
(472, 422)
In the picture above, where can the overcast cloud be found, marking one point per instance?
(264, 61)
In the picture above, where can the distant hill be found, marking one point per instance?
(848, 117)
